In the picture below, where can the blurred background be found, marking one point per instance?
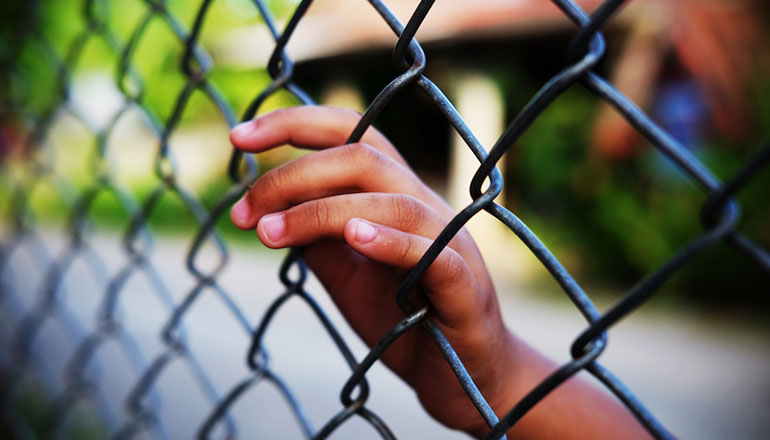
(609, 205)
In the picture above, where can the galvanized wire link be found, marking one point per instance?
(21, 364)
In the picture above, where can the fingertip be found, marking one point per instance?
(349, 232)
(241, 132)
(240, 213)
(272, 229)
(360, 231)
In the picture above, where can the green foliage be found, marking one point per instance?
(625, 218)
(55, 50)
(35, 408)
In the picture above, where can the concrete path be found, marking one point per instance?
(703, 379)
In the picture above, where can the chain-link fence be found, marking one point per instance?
(27, 310)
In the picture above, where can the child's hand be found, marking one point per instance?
(365, 219)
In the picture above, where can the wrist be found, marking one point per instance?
(504, 387)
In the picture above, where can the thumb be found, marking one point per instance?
(448, 283)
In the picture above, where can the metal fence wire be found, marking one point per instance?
(719, 216)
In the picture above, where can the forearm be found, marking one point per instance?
(575, 410)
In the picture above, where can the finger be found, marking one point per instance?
(312, 127)
(448, 282)
(317, 219)
(340, 170)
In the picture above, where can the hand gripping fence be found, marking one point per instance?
(719, 216)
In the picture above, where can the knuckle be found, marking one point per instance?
(321, 212)
(286, 112)
(273, 180)
(364, 157)
(409, 212)
(406, 250)
(453, 267)
(279, 116)
(350, 112)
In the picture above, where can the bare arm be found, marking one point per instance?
(365, 219)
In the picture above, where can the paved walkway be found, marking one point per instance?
(704, 380)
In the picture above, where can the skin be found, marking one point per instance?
(365, 219)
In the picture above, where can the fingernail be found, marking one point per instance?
(242, 130)
(274, 226)
(241, 211)
(365, 232)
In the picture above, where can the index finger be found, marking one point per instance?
(313, 127)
